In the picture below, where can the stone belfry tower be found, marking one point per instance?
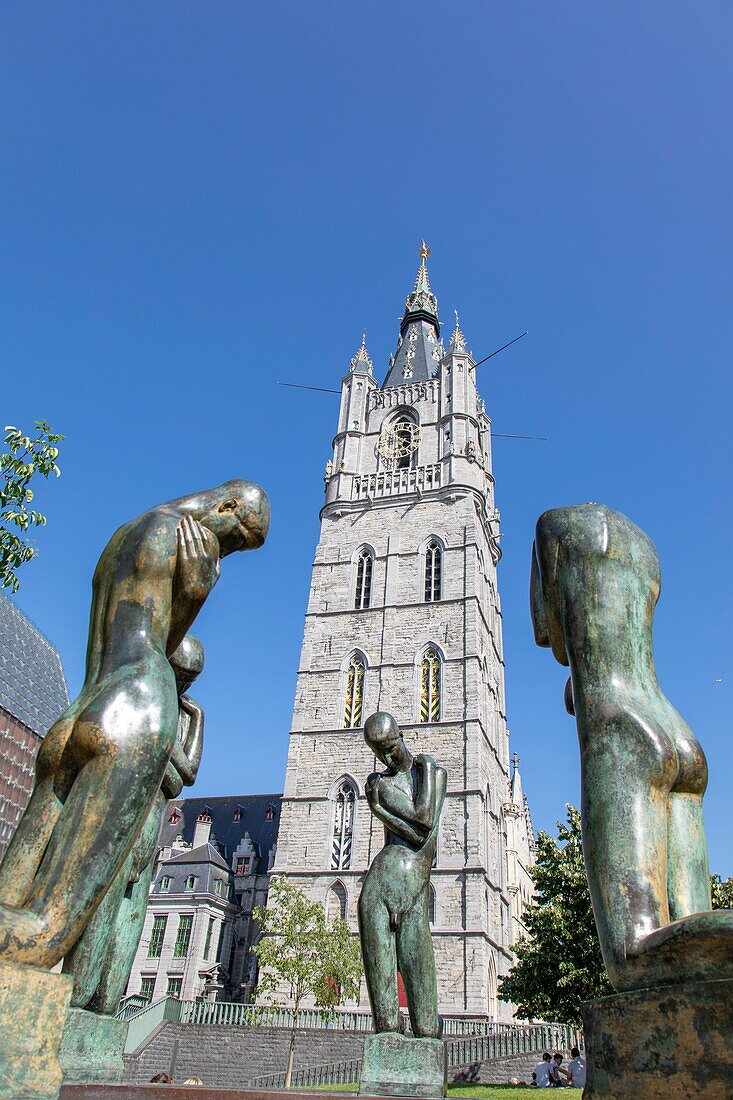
(404, 615)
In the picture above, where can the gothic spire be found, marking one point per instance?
(422, 299)
(419, 349)
(362, 363)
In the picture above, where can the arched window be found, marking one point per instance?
(430, 687)
(431, 904)
(354, 692)
(433, 570)
(343, 826)
(363, 595)
(336, 902)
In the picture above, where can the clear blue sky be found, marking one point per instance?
(199, 200)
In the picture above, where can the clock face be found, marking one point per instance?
(399, 441)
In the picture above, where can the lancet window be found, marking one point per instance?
(363, 595)
(353, 704)
(433, 571)
(343, 826)
(430, 687)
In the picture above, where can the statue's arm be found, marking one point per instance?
(426, 799)
(186, 758)
(197, 571)
(398, 825)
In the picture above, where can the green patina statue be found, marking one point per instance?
(102, 765)
(393, 907)
(595, 583)
(101, 961)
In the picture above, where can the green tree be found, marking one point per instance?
(722, 892)
(559, 965)
(300, 952)
(25, 458)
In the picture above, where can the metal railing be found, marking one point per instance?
(145, 1022)
(333, 1073)
(130, 1006)
(241, 1015)
(510, 1039)
(392, 483)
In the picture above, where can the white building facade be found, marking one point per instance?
(404, 616)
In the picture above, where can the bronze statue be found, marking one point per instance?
(101, 960)
(595, 583)
(393, 907)
(103, 762)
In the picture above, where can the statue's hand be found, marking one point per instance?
(371, 788)
(198, 560)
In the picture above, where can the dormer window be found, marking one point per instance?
(270, 813)
(165, 883)
(175, 816)
(238, 813)
(243, 865)
(218, 886)
(191, 882)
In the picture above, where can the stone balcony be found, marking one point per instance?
(394, 483)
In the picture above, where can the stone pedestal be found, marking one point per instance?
(394, 1065)
(668, 1043)
(92, 1048)
(33, 1007)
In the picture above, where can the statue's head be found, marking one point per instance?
(237, 513)
(384, 738)
(187, 662)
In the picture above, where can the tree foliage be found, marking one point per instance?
(299, 954)
(25, 458)
(722, 892)
(559, 965)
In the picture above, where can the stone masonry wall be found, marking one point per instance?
(230, 1057)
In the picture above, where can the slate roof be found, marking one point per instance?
(32, 682)
(225, 830)
(419, 348)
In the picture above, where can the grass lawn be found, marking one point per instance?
(480, 1092)
(494, 1092)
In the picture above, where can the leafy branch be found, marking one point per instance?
(27, 457)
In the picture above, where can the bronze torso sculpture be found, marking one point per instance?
(393, 907)
(101, 960)
(104, 760)
(595, 583)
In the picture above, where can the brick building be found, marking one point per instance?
(33, 694)
(404, 615)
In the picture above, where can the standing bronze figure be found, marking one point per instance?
(595, 583)
(393, 908)
(103, 762)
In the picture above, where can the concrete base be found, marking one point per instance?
(668, 1043)
(394, 1065)
(33, 1007)
(92, 1048)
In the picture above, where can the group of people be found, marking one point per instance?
(551, 1074)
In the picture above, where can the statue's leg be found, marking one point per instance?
(380, 961)
(54, 776)
(416, 964)
(624, 816)
(130, 918)
(28, 844)
(97, 826)
(86, 959)
(689, 874)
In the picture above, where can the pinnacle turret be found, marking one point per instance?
(457, 340)
(361, 362)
